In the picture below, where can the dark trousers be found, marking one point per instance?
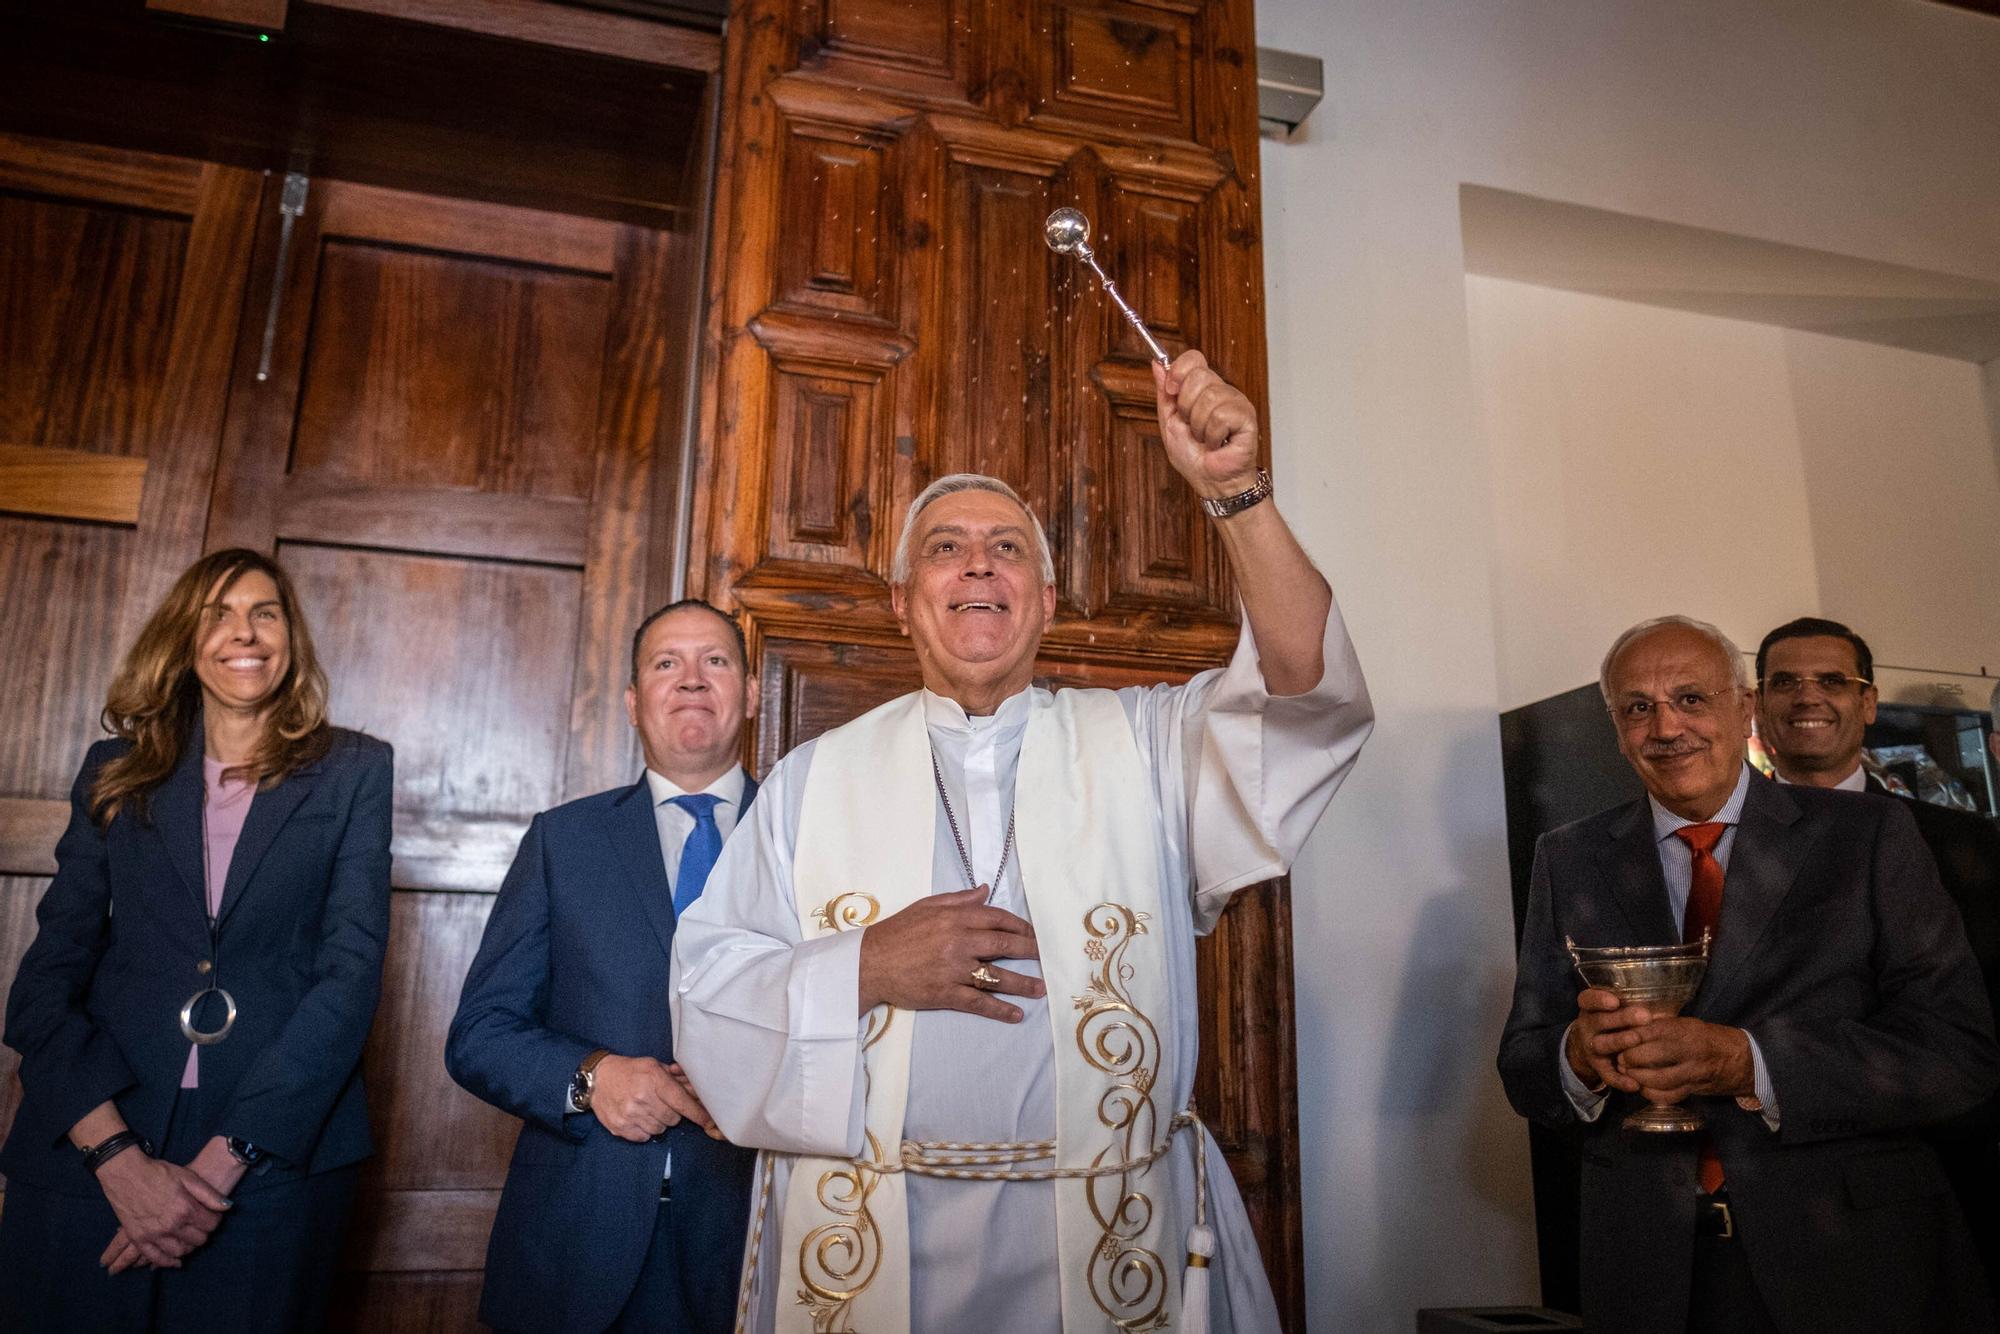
(269, 1265)
(1724, 1298)
(659, 1303)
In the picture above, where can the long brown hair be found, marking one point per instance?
(155, 698)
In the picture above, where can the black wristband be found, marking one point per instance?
(97, 1155)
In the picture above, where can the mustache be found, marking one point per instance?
(1668, 750)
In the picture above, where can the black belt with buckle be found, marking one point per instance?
(1712, 1217)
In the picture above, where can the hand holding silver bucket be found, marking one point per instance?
(1663, 978)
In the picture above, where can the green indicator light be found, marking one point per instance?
(263, 36)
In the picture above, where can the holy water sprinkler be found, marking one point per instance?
(1068, 233)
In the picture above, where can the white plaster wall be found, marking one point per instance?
(1643, 461)
(1865, 127)
(1904, 494)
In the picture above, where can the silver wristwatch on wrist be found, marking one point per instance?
(1224, 506)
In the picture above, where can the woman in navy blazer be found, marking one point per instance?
(160, 1176)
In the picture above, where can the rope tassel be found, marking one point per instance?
(1200, 1244)
(1194, 1281)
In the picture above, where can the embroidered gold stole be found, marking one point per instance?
(1089, 866)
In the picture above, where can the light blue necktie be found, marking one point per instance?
(698, 854)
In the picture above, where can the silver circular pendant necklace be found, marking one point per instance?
(208, 1037)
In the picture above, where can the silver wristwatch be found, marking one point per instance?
(1223, 507)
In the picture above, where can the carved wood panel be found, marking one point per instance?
(882, 310)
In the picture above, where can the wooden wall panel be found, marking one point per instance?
(104, 175)
(927, 50)
(86, 319)
(996, 386)
(1118, 63)
(829, 501)
(807, 687)
(843, 268)
(18, 896)
(384, 622)
(967, 346)
(56, 579)
(71, 484)
(449, 371)
(451, 1140)
(409, 1304)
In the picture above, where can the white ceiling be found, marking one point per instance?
(1631, 258)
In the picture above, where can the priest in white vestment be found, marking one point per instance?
(944, 975)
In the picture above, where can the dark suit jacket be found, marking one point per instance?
(1839, 952)
(1967, 850)
(304, 920)
(575, 958)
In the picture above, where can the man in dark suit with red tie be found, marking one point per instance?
(1841, 1011)
(623, 1210)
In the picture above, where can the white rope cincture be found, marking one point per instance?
(755, 1244)
(961, 1160)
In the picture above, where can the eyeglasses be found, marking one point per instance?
(1829, 683)
(1692, 705)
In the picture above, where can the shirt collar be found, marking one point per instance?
(945, 713)
(1854, 782)
(1665, 822)
(729, 787)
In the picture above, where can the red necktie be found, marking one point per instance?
(1704, 908)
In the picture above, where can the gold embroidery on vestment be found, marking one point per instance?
(839, 1259)
(1128, 1281)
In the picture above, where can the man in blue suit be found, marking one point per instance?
(623, 1208)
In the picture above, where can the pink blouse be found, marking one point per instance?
(228, 806)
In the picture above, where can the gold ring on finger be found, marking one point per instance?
(985, 977)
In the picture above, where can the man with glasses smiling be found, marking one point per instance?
(1841, 1011)
(1815, 696)
(1814, 700)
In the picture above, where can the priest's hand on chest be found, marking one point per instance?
(938, 955)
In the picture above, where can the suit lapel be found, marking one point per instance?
(1770, 844)
(268, 812)
(176, 812)
(1632, 868)
(635, 833)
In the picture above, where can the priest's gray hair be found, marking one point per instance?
(899, 571)
(1724, 645)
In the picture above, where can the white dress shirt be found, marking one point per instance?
(1854, 782)
(676, 824)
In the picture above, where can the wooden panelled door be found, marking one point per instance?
(457, 426)
(883, 310)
